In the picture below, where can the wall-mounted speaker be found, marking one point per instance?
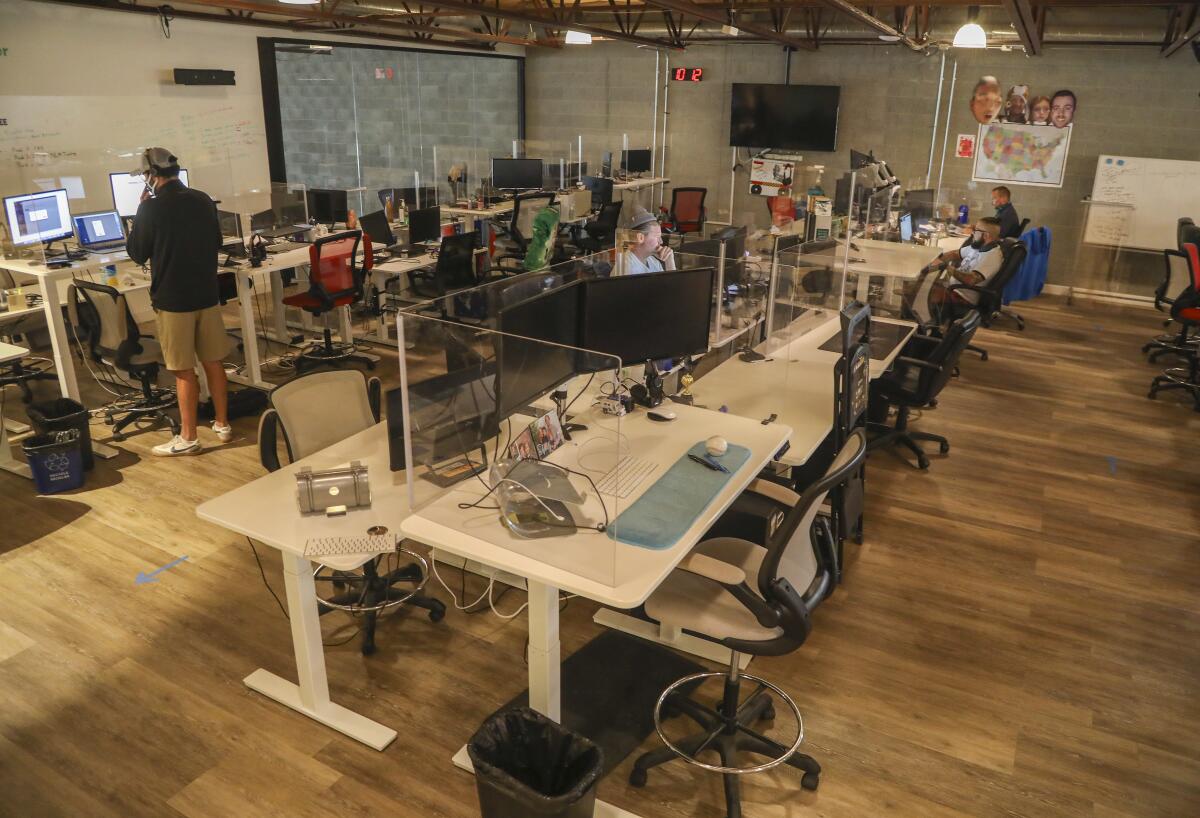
(203, 76)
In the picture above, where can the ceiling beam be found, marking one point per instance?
(1026, 21)
(719, 15)
(1182, 40)
(848, 8)
(540, 20)
(316, 15)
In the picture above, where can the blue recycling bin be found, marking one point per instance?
(56, 461)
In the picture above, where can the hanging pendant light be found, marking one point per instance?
(971, 35)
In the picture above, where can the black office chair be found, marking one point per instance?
(990, 294)
(916, 379)
(455, 268)
(510, 255)
(756, 600)
(314, 412)
(111, 335)
(601, 232)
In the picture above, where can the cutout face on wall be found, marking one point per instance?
(1062, 108)
(1039, 111)
(986, 100)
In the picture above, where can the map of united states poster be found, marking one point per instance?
(1022, 154)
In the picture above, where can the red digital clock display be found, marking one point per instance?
(688, 74)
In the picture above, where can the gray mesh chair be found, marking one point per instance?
(750, 599)
(113, 339)
(314, 412)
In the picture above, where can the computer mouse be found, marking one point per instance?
(660, 414)
(716, 445)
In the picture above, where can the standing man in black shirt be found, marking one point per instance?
(1010, 222)
(178, 232)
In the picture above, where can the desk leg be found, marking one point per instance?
(278, 308)
(52, 306)
(311, 695)
(7, 461)
(545, 688)
(245, 296)
(545, 694)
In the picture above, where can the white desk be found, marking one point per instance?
(886, 260)
(9, 352)
(266, 511)
(479, 536)
(638, 184)
(479, 213)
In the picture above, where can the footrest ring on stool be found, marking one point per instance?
(713, 767)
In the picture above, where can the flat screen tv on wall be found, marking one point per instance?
(791, 117)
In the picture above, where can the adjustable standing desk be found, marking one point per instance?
(9, 352)
(478, 535)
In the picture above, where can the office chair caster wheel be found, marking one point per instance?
(983, 356)
(768, 713)
(923, 462)
(437, 614)
(637, 777)
(367, 650)
(810, 781)
(1153, 394)
(118, 437)
(944, 448)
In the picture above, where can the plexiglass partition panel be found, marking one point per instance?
(1100, 255)
(491, 456)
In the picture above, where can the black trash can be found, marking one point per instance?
(59, 415)
(529, 765)
(55, 460)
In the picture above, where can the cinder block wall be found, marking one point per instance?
(1131, 102)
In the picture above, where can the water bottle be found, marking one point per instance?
(111, 280)
(963, 214)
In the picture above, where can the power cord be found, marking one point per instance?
(283, 610)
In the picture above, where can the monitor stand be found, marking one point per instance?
(649, 395)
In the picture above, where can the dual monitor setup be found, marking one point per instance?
(533, 174)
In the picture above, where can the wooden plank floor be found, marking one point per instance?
(1017, 637)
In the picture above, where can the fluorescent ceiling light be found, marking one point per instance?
(971, 35)
(578, 38)
(300, 2)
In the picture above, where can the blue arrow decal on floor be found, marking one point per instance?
(144, 578)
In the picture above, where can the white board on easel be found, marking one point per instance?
(1159, 191)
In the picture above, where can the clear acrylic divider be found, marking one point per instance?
(1103, 264)
(488, 458)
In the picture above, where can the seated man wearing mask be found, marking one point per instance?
(648, 254)
(974, 263)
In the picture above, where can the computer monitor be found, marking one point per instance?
(636, 161)
(906, 227)
(528, 369)
(231, 225)
(327, 206)
(517, 174)
(424, 225)
(735, 242)
(920, 204)
(601, 188)
(858, 159)
(411, 196)
(649, 317)
(42, 216)
(127, 191)
(376, 226)
(99, 229)
(561, 174)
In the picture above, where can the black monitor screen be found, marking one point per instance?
(529, 369)
(565, 173)
(424, 225)
(327, 206)
(649, 317)
(795, 117)
(376, 226)
(601, 188)
(636, 161)
(920, 204)
(517, 174)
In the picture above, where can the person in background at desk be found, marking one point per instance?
(178, 232)
(648, 254)
(974, 263)
(1010, 222)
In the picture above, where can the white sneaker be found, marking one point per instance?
(224, 433)
(177, 446)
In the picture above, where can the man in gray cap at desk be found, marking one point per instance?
(647, 254)
(177, 231)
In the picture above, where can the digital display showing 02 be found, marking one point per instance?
(688, 74)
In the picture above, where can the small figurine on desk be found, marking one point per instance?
(258, 250)
(685, 396)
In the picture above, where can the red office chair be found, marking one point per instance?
(335, 279)
(687, 212)
(1185, 310)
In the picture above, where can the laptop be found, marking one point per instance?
(99, 232)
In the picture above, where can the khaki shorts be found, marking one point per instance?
(186, 337)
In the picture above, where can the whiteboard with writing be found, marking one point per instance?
(1157, 192)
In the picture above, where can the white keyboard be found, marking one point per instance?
(630, 472)
(336, 546)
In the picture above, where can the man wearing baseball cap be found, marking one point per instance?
(648, 254)
(177, 231)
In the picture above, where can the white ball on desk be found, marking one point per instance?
(716, 446)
